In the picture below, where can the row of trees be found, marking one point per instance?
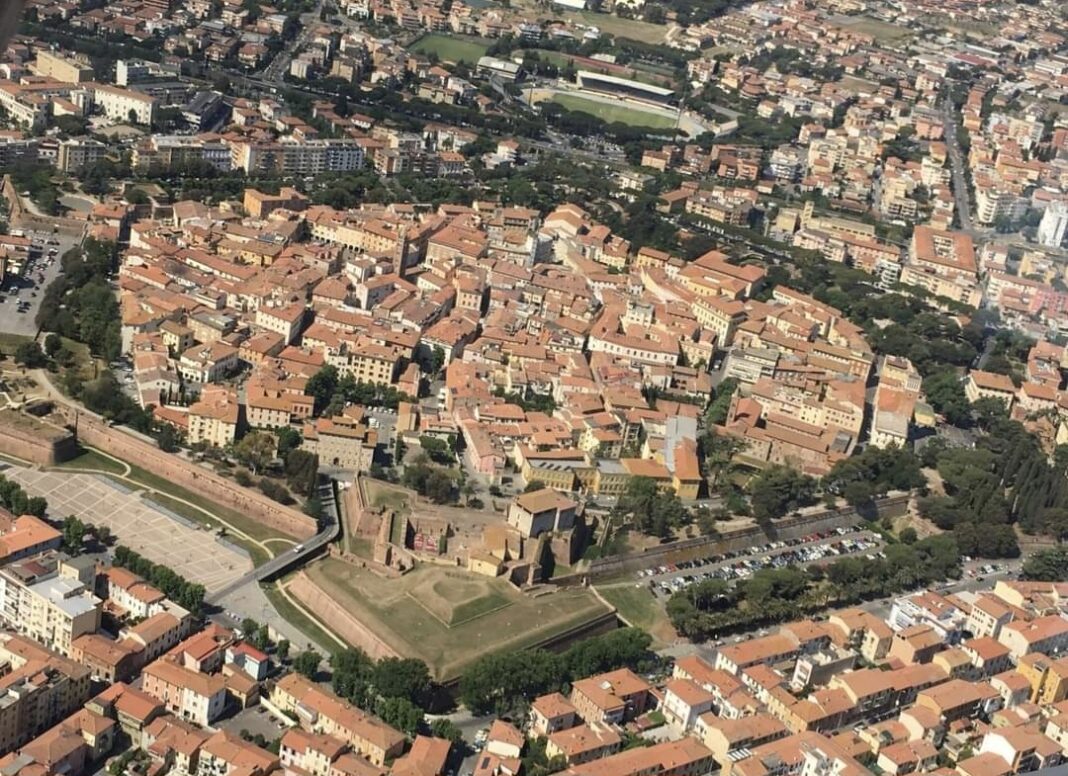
(713, 608)
(399, 690)
(503, 682)
(186, 594)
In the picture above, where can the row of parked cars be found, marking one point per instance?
(709, 560)
(734, 566)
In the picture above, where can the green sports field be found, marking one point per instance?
(452, 48)
(624, 114)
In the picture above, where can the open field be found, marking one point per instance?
(855, 84)
(382, 494)
(10, 342)
(620, 27)
(623, 113)
(883, 32)
(451, 48)
(448, 617)
(640, 608)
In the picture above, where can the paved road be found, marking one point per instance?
(331, 528)
(960, 183)
(251, 601)
(988, 349)
(279, 66)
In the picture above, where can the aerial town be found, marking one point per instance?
(529, 387)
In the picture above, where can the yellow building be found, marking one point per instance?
(62, 68)
(320, 711)
(213, 420)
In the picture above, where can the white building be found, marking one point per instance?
(122, 104)
(1054, 225)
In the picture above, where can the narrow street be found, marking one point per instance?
(960, 182)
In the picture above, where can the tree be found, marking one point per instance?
(447, 729)
(440, 487)
(503, 682)
(989, 410)
(281, 649)
(945, 393)
(322, 386)
(438, 449)
(289, 439)
(29, 354)
(255, 450)
(73, 535)
(302, 471)
(719, 451)
(103, 534)
(401, 713)
(1049, 565)
(716, 413)
(533, 485)
(167, 438)
(437, 360)
(274, 490)
(403, 678)
(307, 663)
(52, 344)
(653, 511)
(261, 638)
(779, 490)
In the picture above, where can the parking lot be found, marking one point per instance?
(22, 292)
(255, 720)
(814, 548)
(142, 525)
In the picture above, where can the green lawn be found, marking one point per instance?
(382, 494)
(411, 613)
(10, 342)
(636, 605)
(451, 48)
(91, 459)
(625, 114)
(620, 27)
(299, 620)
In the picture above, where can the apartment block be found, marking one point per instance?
(38, 688)
(185, 692)
(320, 711)
(50, 599)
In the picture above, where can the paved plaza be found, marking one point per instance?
(144, 526)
